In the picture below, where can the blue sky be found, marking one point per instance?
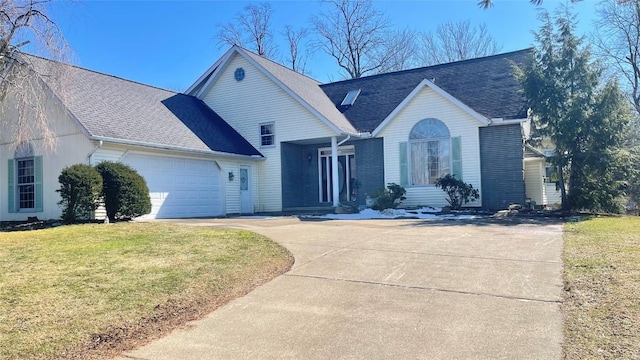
(169, 44)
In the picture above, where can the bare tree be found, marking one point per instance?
(401, 51)
(297, 56)
(617, 42)
(485, 4)
(353, 32)
(23, 95)
(251, 29)
(456, 41)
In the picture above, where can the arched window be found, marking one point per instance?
(23, 150)
(430, 144)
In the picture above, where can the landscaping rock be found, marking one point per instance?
(506, 213)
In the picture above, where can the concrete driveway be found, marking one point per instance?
(390, 289)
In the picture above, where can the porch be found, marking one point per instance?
(308, 173)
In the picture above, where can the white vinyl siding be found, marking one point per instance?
(72, 147)
(552, 195)
(536, 189)
(533, 184)
(247, 104)
(232, 188)
(107, 154)
(429, 104)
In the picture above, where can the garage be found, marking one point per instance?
(180, 187)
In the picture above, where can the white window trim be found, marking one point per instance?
(17, 184)
(323, 153)
(427, 140)
(273, 124)
(410, 163)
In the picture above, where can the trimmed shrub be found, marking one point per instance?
(390, 197)
(80, 188)
(124, 191)
(458, 191)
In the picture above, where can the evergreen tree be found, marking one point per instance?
(584, 119)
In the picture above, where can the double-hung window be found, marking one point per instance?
(430, 148)
(25, 183)
(267, 135)
(25, 180)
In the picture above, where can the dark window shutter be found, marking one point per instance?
(37, 161)
(456, 157)
(11, 198)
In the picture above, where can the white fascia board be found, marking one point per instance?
(439, 91)
(295, 96)
(291, 93)
(501, 121)
(215, 69)
(221, 64)
(175, 148)
(535, 150)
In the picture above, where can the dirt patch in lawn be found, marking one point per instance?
(95, 291)
(173, 315)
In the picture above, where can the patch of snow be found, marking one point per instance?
(429, 209)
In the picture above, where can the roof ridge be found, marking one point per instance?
(278, 64)
(103, 74)
(422, 68)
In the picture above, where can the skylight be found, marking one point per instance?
(350, 98)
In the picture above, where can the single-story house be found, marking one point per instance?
(251, 135)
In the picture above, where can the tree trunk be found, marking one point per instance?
(563, 189)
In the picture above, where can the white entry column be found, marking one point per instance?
(334, 171)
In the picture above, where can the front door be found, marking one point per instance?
(346, 174)
(246, 198)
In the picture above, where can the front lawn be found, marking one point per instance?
(602, 289)
(91, 291)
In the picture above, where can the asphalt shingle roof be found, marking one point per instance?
(487, 85)
(115, 108)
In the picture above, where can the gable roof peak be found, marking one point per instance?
(247, 51)
(486, 85)
(300, 87)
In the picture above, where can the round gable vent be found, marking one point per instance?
(239, 74)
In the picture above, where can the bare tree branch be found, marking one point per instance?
(23, 93)
(353, 32)
(456, 41)
(617, 43)
(297, 58)
(251, 29)
(399, 51)
(485, 4)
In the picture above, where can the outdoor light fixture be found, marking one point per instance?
(231, 176)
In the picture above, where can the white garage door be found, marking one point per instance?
(180, 187)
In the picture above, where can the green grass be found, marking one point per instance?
(602, 289)
(92, 290)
